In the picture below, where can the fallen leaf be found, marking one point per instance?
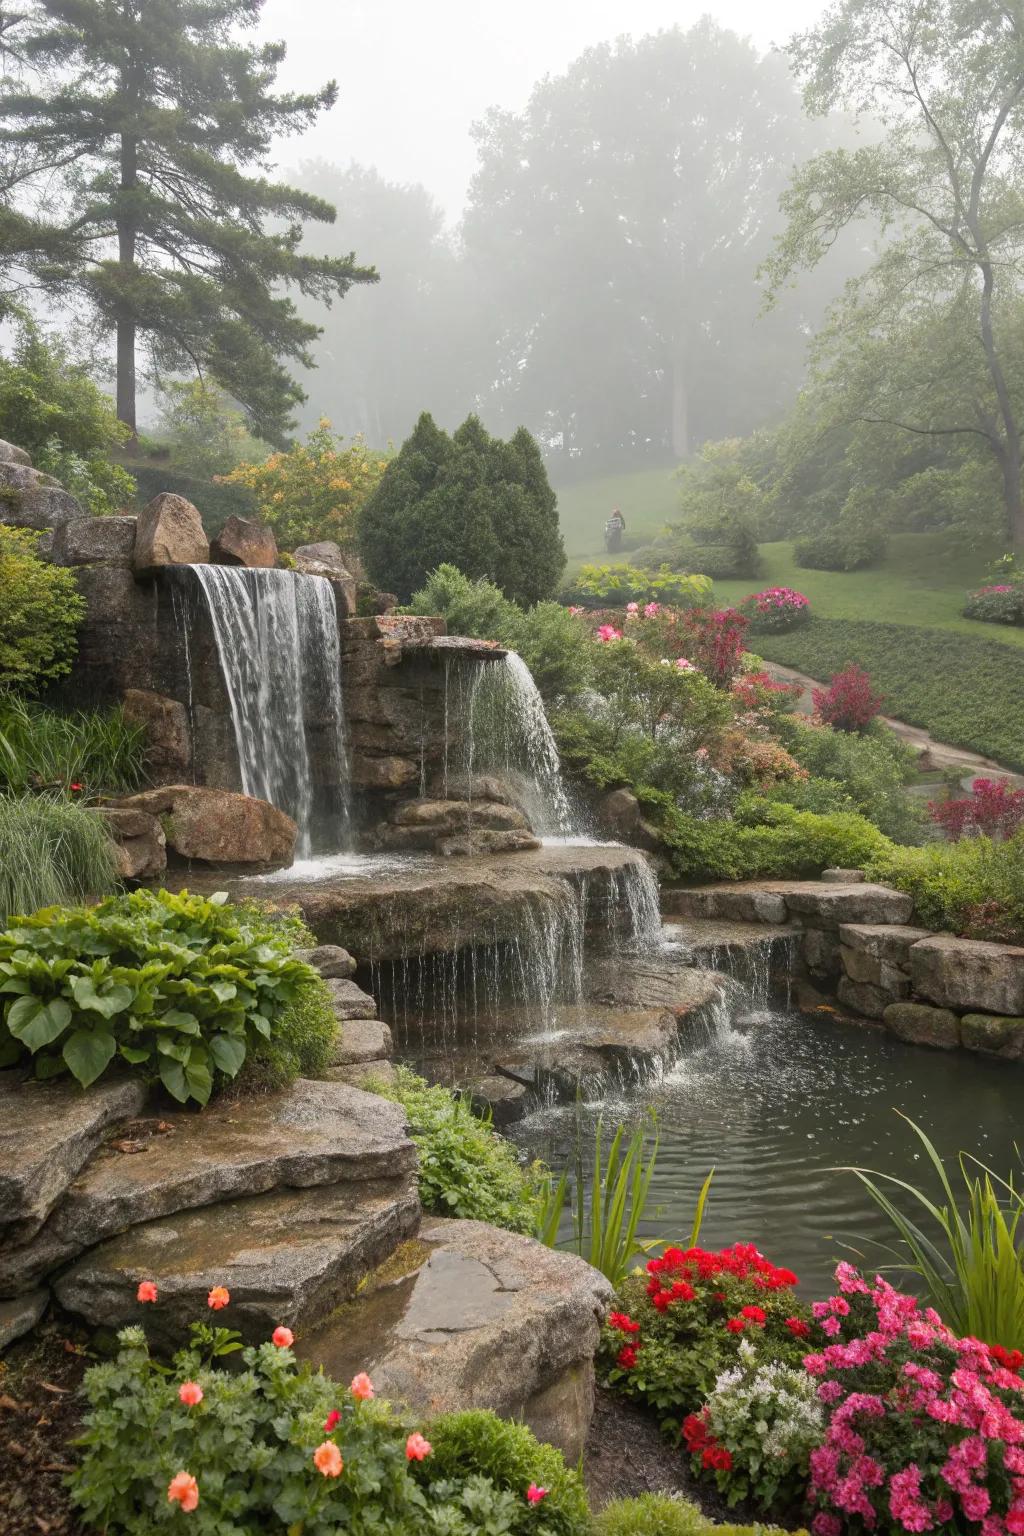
(48, 1386)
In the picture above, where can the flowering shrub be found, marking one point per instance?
(759, 690)
(275, 1446)
(716, 642)
(685, 1325)
(924, 1432)
(756, 760)
(775, 610)
(612, 586)
(757, 1430)
(849, 703)
(1000, 603)
(992, 809)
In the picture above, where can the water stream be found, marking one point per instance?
(277, 640)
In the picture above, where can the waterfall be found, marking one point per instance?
(505, 731)
(277, 641)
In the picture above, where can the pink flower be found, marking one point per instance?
(218, 1298)
(651, 610)
(283, 1338)
(682, 665)
(327, 1459)
(190, 1393)
(146, 1292)
(632, 607)
(608, 632)
(535, 1494)
(416, 1448)
(362, 1387)
(576, 612)
(184, 1490)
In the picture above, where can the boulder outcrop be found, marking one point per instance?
(243, 542)
(969, 974)
(170, 532)
(95, 541)
(217, 826)
(140, 841)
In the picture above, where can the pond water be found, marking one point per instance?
(778, 1101)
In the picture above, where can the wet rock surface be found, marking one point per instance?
(288, 1257)
(920, 1025)
(480, 1319)
(218, 826)
(993, 1035)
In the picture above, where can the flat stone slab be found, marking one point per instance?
(883, 941)
(481, 1319)
(289, 1257)
(655, 981)
(364, 1074)
(48, 1132)
(817, 903)
(362, 1040)
(350, 1001)
(969, 974)
(20, 1316)
(309, 1134)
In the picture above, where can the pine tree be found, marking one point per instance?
(137, 134)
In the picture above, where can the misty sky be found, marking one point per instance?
(413, 75)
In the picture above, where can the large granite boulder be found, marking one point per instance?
(918, 1024)
(48, 1132)
(168, 734)
(217, 826)
(360, 1041)
(482, 1319)
(620, 815)
(243, 542)
(139, 839)
(10, 454)
(882, 941)
(456, 827)
(326, 559)
(30, 499)
(993, 1035)
(20, 1315)
(822, 905)
(969, 974)
(170, 532)
(864, 997)
(95, 541)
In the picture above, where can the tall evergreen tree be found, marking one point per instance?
(138, 137)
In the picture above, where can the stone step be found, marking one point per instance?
(289, 1258)
(814, 903)
(480, 1318)
(311, 1133)
(48, 1132)
(364, 1074)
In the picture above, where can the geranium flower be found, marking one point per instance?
(184, 1490)
(734, 1324)
(327, 1459)
(190, 1393)
(798, 1328)
(218, 1298)
(416, 1448)
(332, 1421)
(362, 1387)
(534, 1495)
(146, 1292)
(622, 1323)
(626, 1357)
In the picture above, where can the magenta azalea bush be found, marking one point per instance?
(775, 610)
(1002, 602)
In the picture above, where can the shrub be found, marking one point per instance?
(871, 772)
(180, 987)
(613, 586)
(841, 549)
(716, 642)
(87, 750)
(208, 434)
(659, 1514)
(775, 610)
(466, 1168)
(849, 703)
(471, 607)
(271, 1445)
(924, 1430)
(682, 1327)
(510, 1458)
(52, 852)
(39, 613)
(315, 490)
(470, 500)
(966, 691)
(992, 808)
(656, 697)
(764, 839)
(721, 507)
(597, 750)
(974, 887)
(301, 1043)
(1001, 603)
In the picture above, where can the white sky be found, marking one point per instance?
(414, 74)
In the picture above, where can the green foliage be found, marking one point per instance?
(304, 1034)
(658, 1514)
(215, 500)
(180, 987)
(207, 434)
(655, 698)
(52, 851)
(466, 1168)
(511, 1458)
(604, 756)
(614, 585)
(763, 839)
(966, 691)
(469, 500)
(40, 609)
(50, 406)
(973, 887)
(721, 510)
(249, 1444)
(871, 773)
(1002, 603)
(969, 1252)
(841, 548)
(315, 490)
(607, 1211)
(41, 748)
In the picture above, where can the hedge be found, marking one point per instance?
(967, 692)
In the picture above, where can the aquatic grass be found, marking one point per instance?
(52, 853)
(42, 748)
(972, 1269)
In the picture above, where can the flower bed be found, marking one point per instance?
(1000, 603)
(775, 610)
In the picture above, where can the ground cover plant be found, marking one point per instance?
(655, 1514)
(180, 988)
(269, 1443)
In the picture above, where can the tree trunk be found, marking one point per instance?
(1010, 458)
(680, 402)
(126, 261)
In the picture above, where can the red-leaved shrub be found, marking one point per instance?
(992, 808)
(849, 703)
(716, 642)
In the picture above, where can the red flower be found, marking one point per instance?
(694, 1432)
(682, 1290)
(626, 1357)
(623, 1323)
(535, 1494)
(1009, 1359)
(283, 1338)
(218, 1298)
(332, 1421)
(798, 1328)
(146, 1291)
(717, 1458)
(734, 1324)
(754, 1315)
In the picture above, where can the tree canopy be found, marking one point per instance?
(134, 175)
(468, 500)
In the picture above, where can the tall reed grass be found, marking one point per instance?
(41, 748)
(52, 852)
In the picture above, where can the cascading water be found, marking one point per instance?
(277, 641)
(503, 729)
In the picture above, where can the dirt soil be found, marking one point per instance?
(40, 1411)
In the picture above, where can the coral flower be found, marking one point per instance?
(190, 1393)
(184, 1490)
(282, 1337)
(362, 1387)
(416, 1448)
(535, 1494)
(146, 1291)
(218, 1298)
(327, 1459)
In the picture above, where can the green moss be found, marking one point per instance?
(655, 1514)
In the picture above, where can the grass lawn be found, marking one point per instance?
(647, 498)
